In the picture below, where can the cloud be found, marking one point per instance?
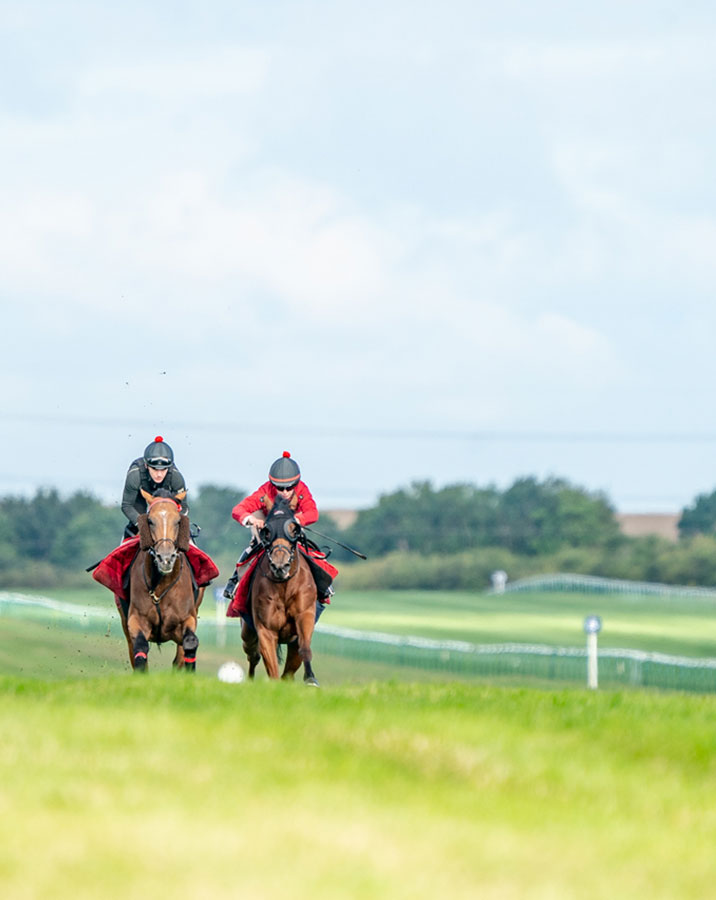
(223, 72)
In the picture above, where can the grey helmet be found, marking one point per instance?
(284, 472)
(159, 455)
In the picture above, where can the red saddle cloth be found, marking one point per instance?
(241, 598)
(111, 571)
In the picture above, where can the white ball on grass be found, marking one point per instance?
(231, 672)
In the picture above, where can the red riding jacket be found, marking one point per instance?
(305, 509)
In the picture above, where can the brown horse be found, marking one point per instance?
(282, 601)
(162, 605)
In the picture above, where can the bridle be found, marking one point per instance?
(163, 560)
(275, 568)
(283, 543)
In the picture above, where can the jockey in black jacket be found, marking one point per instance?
(150, 472)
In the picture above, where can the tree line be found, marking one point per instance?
(49, 539)
(417, 536)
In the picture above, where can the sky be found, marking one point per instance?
(404, 241)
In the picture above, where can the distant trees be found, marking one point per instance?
(542, 517)
(69, 534)
(46, 537)
(700, 518)
(211, 509)
(416, 536)
(529, 518)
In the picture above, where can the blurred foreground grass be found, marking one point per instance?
(119, 785)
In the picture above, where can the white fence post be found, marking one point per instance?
(592, 627)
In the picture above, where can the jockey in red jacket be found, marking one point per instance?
(284, 480)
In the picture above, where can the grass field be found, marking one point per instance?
(117, 786)
(385, 783)
(666, 624)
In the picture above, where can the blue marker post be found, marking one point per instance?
(220, 602)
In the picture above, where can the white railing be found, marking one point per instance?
(635, 667)
(566, 581)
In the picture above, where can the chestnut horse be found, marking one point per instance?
(282, 600)
(162, 605)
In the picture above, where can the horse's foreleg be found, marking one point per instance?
(199, 596)
(268, 645)
(304, 627)
(140, 648)
(250, 640)
(190, 644)
(137, 631)
(293, 660)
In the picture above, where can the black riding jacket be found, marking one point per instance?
(138, 479)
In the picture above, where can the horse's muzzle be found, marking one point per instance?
(280, 560)
(165, 559)
(281, 573)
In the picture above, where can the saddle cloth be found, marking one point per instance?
(111, 571)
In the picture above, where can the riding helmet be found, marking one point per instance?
(284, 472)
(159, 455)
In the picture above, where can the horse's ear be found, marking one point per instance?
(145, 535)
(184, 534)
(181, 495)
(147, 496)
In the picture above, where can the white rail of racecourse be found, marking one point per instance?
(82, 614)
(593, 584)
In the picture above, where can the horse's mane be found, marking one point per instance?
(164, 493)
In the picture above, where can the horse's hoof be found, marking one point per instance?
(311, 682)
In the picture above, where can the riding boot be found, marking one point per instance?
(234, 580)
(248, 551)
(230, 588)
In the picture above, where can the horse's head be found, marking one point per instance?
(278, 536)
(167, 527)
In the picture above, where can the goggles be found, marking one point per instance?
(159, 463)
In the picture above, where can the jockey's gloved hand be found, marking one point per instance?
(194, 531)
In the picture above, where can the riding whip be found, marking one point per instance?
(333, 540)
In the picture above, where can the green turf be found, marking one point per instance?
(120, 786)
(666, 624)
(371, 787)
(43, 644)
